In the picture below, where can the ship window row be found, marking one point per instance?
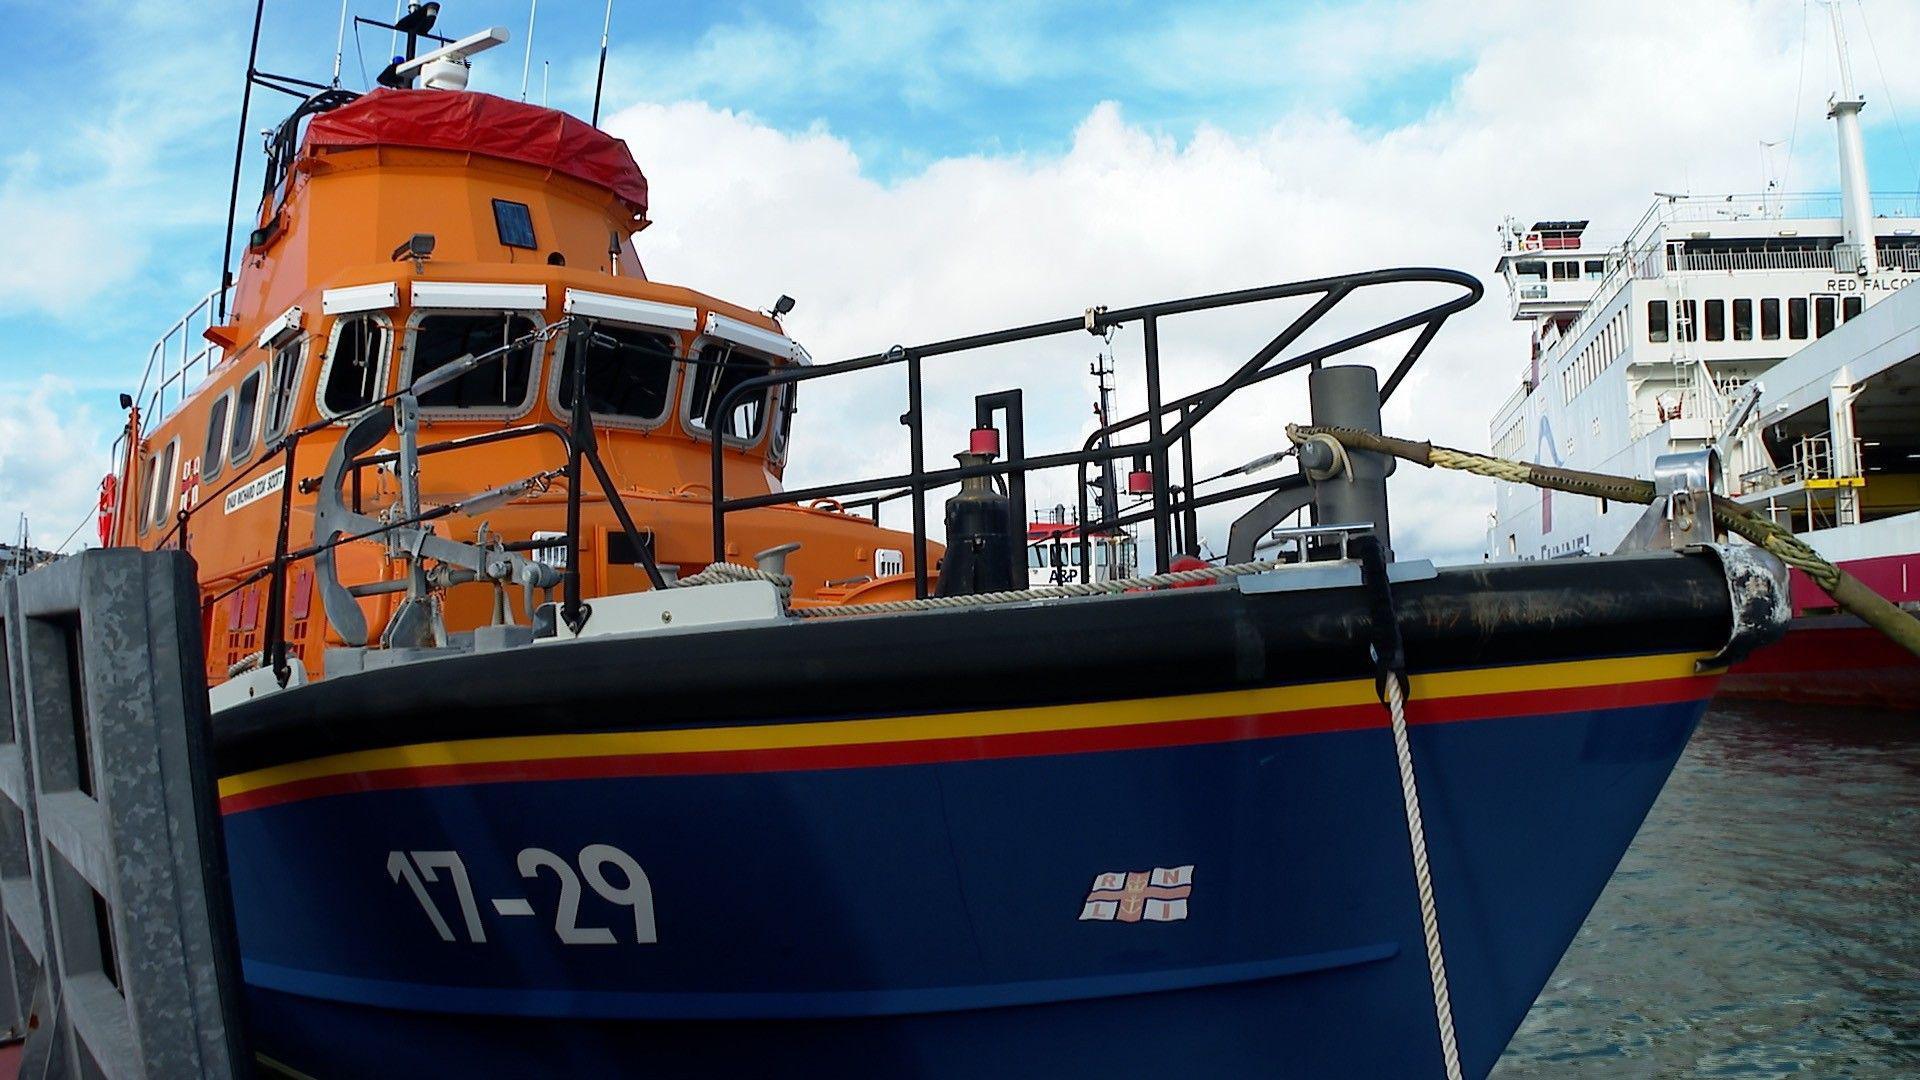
(1722, 320)
(629, 377)
(1595, 357)
(261, 406)
(629, 371)
(1561, 269)
(1066, 553)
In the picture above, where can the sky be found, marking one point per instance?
(909, 171)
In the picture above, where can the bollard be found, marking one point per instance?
(1348, 395)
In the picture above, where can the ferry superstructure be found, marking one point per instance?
(1662, 343)
(1751, 324)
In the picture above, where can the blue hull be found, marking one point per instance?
(925, 919)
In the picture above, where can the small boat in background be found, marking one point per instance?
(558, 737)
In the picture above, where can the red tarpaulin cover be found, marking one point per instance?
(484, 124)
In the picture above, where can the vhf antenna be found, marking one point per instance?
(601, 78)
(1103, 411)
(526, 64)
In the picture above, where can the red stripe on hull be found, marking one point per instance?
(1829, 661)
(1192, 732)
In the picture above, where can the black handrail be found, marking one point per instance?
(1191, 409)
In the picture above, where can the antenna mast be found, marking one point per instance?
(526, 65)
(239, 151)
(340, 43)
(1856, 198)
(601, 78)
(1103, 412)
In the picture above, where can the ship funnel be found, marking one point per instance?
(1856, 198)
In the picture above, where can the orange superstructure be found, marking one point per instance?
(400, 232)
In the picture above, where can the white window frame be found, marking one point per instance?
(303, 346)
(164, 486)
(621, 420)
(143, 510)
(536, 374)
(385, 322)
(245, 452)
(692, 423)
(219, 464)
(780, 424)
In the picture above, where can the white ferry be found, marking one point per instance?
(1781, 329)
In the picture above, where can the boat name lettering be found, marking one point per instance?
(254, 489)
(1883, 283)
(630, 888)
(1579, 545)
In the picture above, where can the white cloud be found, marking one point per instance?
(1580, 115)
(84, 215)
(53, 450)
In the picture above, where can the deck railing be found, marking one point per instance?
(1149, 439)
(178, 361)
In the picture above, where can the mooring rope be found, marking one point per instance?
(1423, 878)
(716, 573)
(1847, 591)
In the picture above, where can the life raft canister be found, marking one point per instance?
(109, 497)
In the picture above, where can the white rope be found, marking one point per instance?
(1429, 917)
(1051, 592)
(719, 572)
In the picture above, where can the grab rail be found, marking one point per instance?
(156, 381)
(1193, 408)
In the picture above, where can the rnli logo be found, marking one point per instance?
(1157, 895)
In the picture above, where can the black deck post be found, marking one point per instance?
(1191, 515)
(1162, 516)
(917, 450)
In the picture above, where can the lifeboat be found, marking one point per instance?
(557, 735)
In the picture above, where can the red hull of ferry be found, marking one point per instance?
(1837, 659)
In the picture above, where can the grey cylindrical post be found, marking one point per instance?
(1349, 396)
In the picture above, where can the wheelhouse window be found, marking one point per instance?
(1743, 320)
(1566, 270)
(1770, 319)
(246, 406)
(356, 364)
(1596, 269)
(502, 384)
(783, 419)
(1531, 268)
(212, 458)
(163, 484)
(1716, 320)
(629, 371)
(1656, 320)
(1797, 318)
(719, 368)
(143, 510)
(283, 374)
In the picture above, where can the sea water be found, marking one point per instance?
(1765, 923)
